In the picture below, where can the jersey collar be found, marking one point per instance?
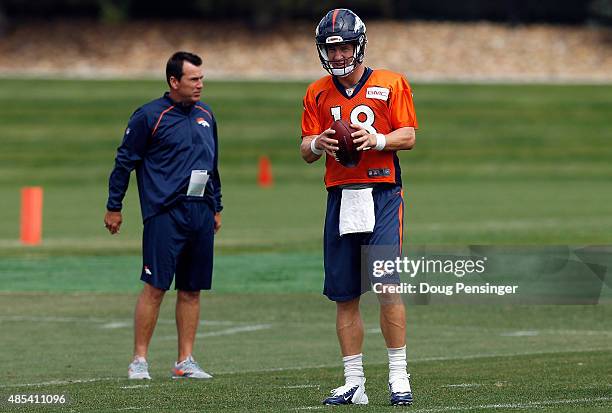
(180, 106)
(362, 81)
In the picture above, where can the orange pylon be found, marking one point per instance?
(264, 178)
(31, 215)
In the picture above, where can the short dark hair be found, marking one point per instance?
(174, 67)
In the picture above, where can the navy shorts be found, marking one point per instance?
(342, 255)
(179, 241)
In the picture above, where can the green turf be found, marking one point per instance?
(253, 273)
(508, 355)
(494, 164)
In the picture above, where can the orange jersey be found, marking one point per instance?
(381, 103)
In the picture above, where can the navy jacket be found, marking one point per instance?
(164, 142)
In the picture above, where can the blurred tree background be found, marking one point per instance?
(264, 14)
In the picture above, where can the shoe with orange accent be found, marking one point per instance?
(189, 368)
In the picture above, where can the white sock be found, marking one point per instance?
(397, 364)
(140, 359)
(353, 369)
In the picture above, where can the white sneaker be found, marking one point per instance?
(350, 393)
(138, 370)
(401, 393)
(189, 368)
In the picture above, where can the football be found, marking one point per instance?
(347, 153)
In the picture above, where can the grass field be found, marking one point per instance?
(494, 164)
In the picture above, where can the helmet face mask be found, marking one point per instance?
(340, 27)
(338, 67)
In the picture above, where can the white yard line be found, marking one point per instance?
(464, 385)
(107, 322)
(117, 324)
(226, 332)
(579, 332)
(520, 333)
(236, 330)
(420, 360)
(38, 319)
(301, 386)
(526, 353)
(59, 382)
(111, 323)
(296, 368)
(525, 405)
(273, 369)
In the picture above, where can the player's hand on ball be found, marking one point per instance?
(327, 143)
(362, 138)
(112, 221)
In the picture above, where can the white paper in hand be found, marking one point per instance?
(197, 183)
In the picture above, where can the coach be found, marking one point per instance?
(172, 144)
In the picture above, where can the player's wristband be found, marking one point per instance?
(381, 141)
(313, 147)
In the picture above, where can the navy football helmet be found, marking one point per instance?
(341, 26)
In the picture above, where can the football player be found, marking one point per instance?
(378, 103)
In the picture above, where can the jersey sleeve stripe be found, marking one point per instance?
(204, 110)
(160, 118)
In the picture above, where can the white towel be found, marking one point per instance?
(356, 211)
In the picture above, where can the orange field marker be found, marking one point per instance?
(264, 178)
(31, 215)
